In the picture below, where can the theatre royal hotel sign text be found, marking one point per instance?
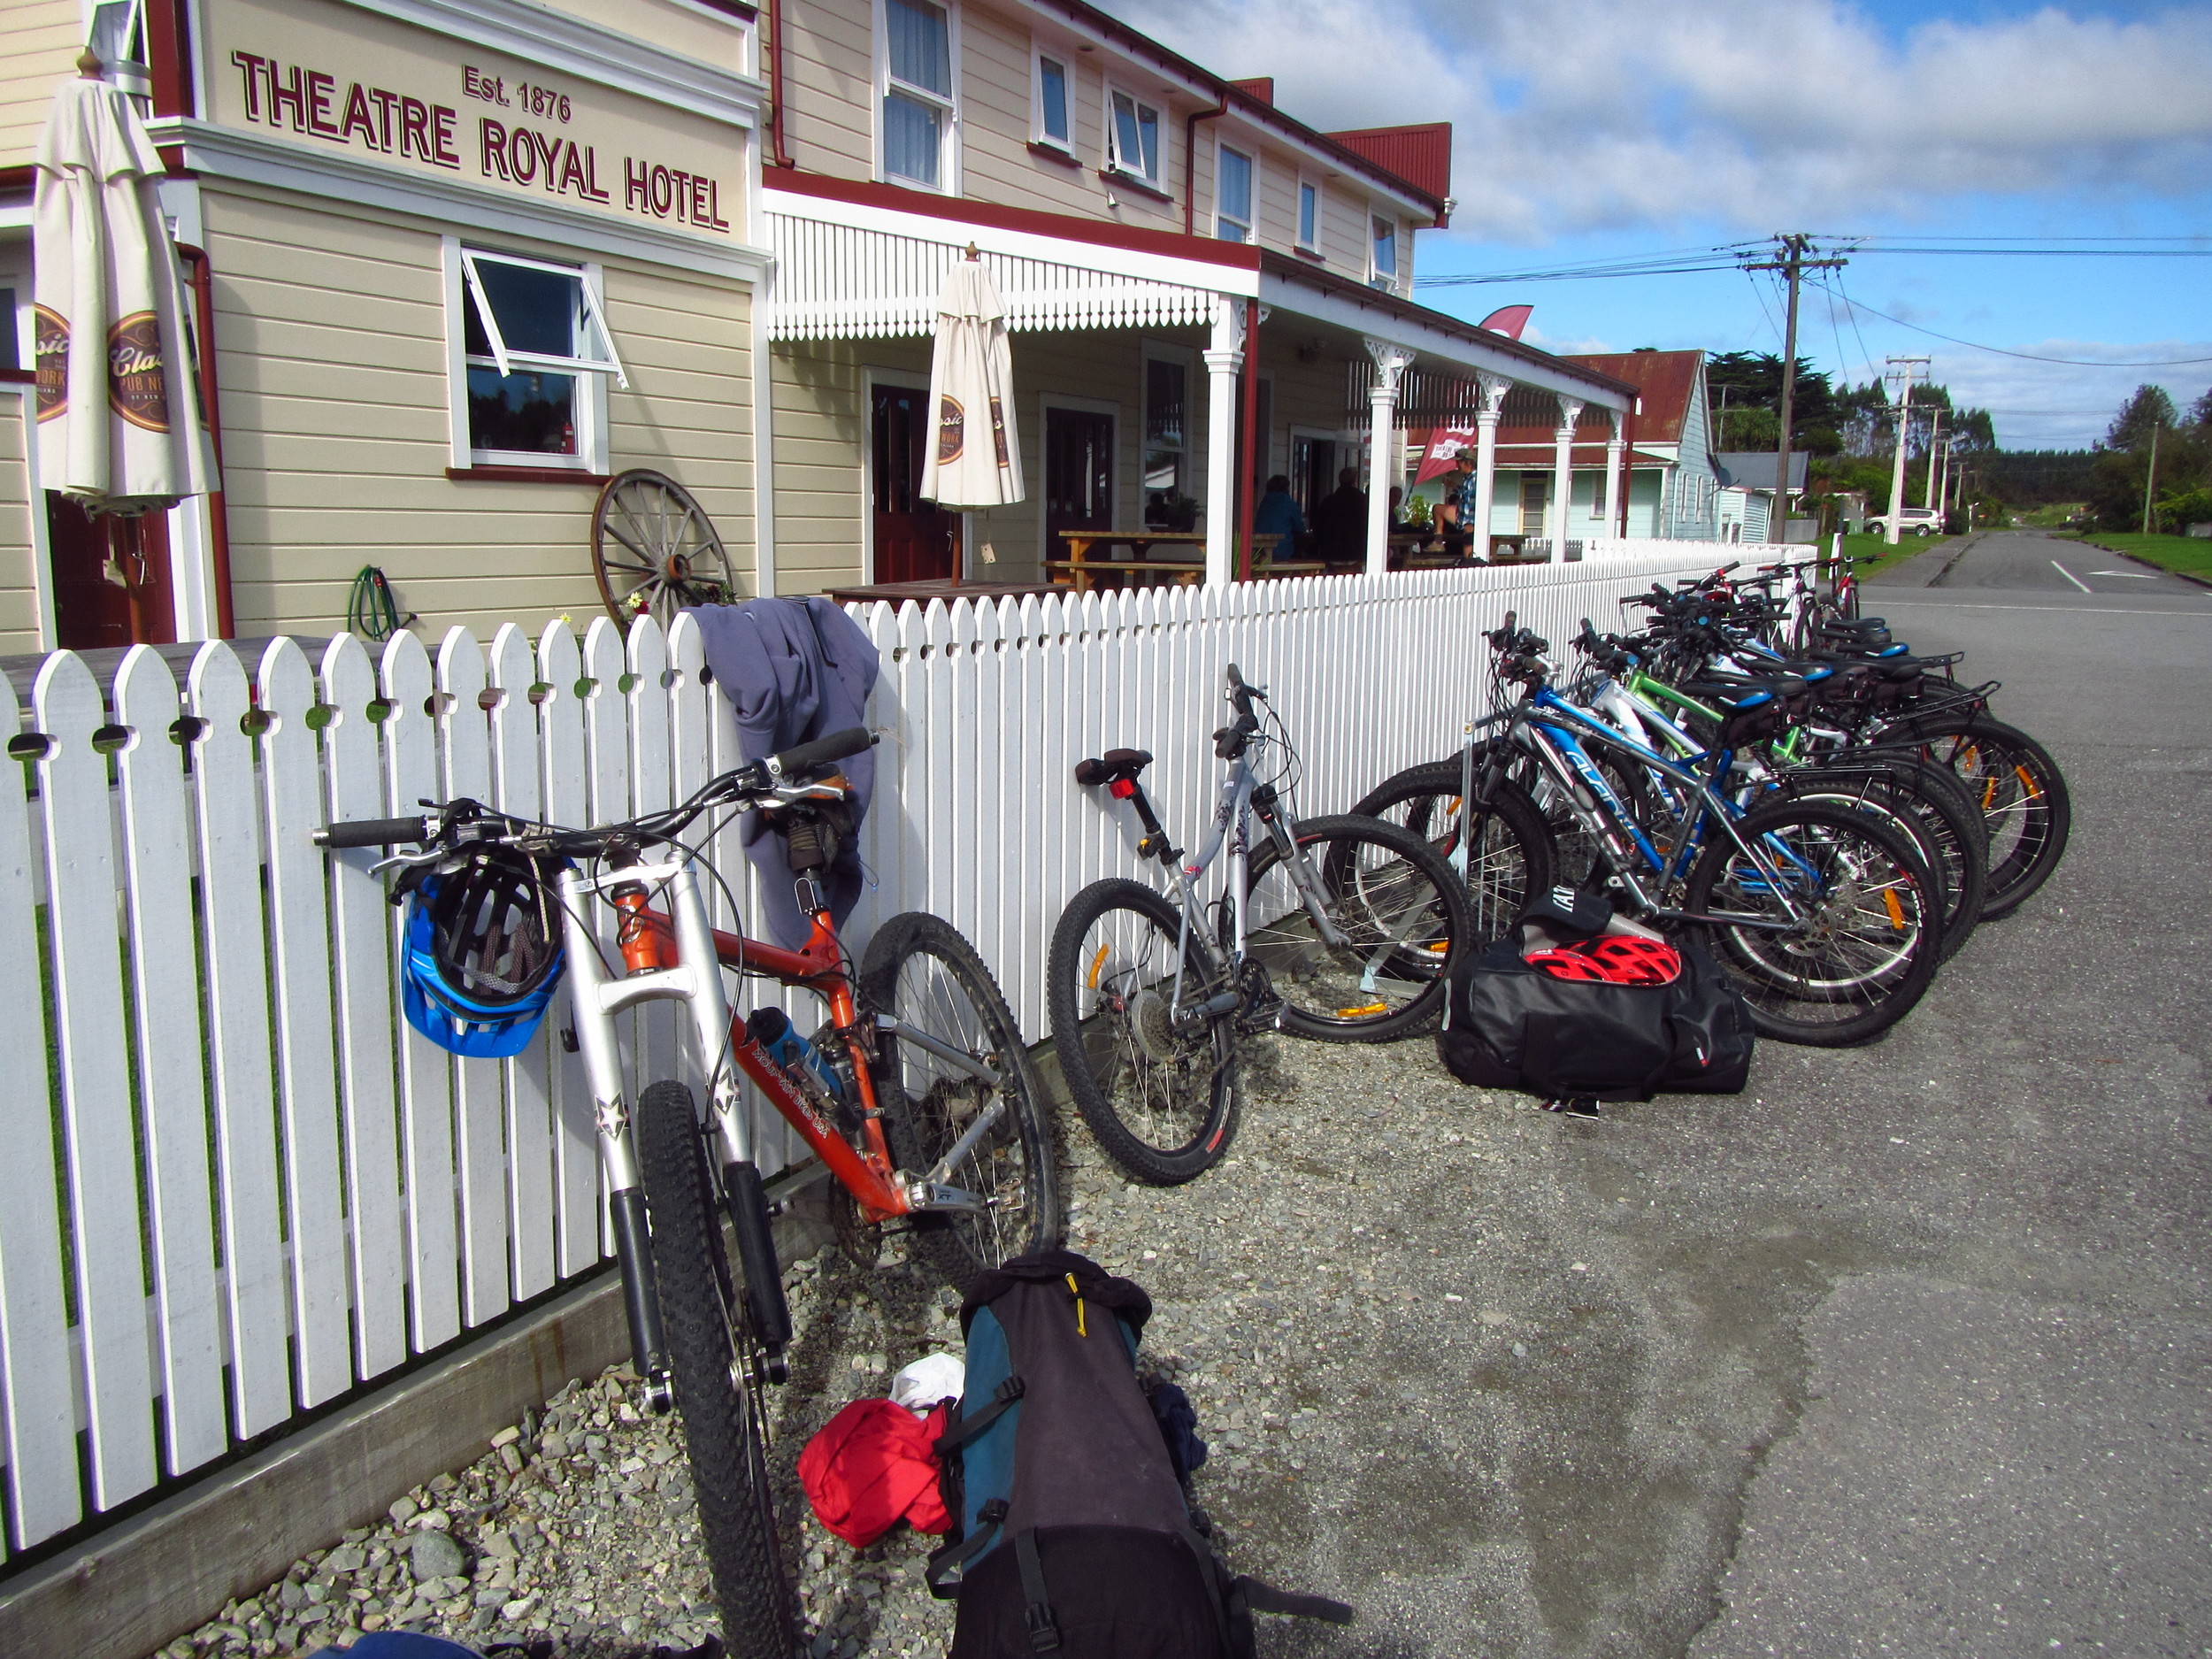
(345, 79)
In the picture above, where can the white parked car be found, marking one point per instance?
(1911, 521)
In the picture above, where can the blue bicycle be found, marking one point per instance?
(1828, 918)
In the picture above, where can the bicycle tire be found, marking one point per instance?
(1925, 802)
(1511, 852)
(1121, 1055)
(1886, 854)
(2020, 792)
(710, 1348)
(927, 1103)
(1404, 915)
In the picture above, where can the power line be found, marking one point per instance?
(1693, 261)
(2030, 356)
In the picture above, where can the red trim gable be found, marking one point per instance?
(1170, 244)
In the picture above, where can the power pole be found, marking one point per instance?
(1935, 443)
(2150, 480)
(1904, 367)
(1791, 261)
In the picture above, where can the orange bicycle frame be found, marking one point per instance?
(646, 939)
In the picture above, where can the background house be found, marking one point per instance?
(1743, 504)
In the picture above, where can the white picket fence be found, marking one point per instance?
(243, 1186)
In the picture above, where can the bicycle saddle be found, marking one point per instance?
(1114, 766)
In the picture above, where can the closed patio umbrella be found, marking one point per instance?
(974, 457)
(118, 424)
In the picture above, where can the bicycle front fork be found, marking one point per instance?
(665, 960)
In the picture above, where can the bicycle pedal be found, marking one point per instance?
(1266, 1014)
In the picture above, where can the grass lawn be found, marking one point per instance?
(1873, 554)
(2190, 554)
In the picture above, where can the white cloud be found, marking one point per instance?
(2063, 405)
(1592, 115)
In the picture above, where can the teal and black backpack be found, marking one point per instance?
(1072, 1534)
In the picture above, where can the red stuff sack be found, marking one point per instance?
(872, 1465)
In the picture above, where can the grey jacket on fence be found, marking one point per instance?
(795, 670)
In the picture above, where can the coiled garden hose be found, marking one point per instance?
(371, 610)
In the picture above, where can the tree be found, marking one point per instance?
(1752, 381)
(2131, 428)
(2201, 411)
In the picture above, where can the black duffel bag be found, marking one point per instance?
(1511, 1025)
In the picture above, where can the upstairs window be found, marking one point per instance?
(1308, 215)
(1133, 139)
(917, 98)
(1052, 104)
(1385, 232)
(1233, 196)
(535, 355)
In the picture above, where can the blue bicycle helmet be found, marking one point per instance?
(482, 955)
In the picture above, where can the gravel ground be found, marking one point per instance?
(576, 1536)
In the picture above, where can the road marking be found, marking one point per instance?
(2133, 576)
(2068, 610)
(2070, 576)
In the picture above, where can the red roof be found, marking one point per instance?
(1261, 87)
(1422, 155)
(1666, 380)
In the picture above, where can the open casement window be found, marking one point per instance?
(1385, 233)
(1233, 196)
(919, 105)
(1133, 138)
(1308, 215)
(536, 355)
(1052, 125)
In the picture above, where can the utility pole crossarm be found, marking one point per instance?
(1793, 262)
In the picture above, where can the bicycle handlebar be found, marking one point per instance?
(374, 832)
(806, 756)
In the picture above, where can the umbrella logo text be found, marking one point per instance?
(51, 334)
(138, 387)
(952, 424)
(998, 429)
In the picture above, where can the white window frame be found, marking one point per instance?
(949, 138)
(1115, 161)
(1250, 224)
(463, 291)
(1311, 244)
(1038, 56)
(1377, 277)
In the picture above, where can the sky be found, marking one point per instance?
(1598, 129)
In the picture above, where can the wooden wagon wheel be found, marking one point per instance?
(653, 547)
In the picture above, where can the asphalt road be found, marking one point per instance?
(1904, 1351)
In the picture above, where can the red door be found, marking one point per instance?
(1078, 474)
(91, 611)
(916, 539)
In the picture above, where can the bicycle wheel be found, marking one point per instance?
(1927, 803)
(920, 971)
(2020, 792)
(718, 1377)
(1509, 852)
(1862, 947)
(1401, 915)
(1164, 1101)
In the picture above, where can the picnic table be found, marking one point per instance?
(1082, 569)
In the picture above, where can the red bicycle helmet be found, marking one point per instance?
(1612, 959)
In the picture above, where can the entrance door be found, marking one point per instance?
(90, 611)
(916, 539)
(1078, 474)
(1313, 468)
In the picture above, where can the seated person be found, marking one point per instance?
(1339, 522)
(1277, 515)
(1455, 514)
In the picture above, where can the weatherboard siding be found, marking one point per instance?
(331, 334)
(38, 43)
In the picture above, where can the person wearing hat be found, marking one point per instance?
(1455, 513)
